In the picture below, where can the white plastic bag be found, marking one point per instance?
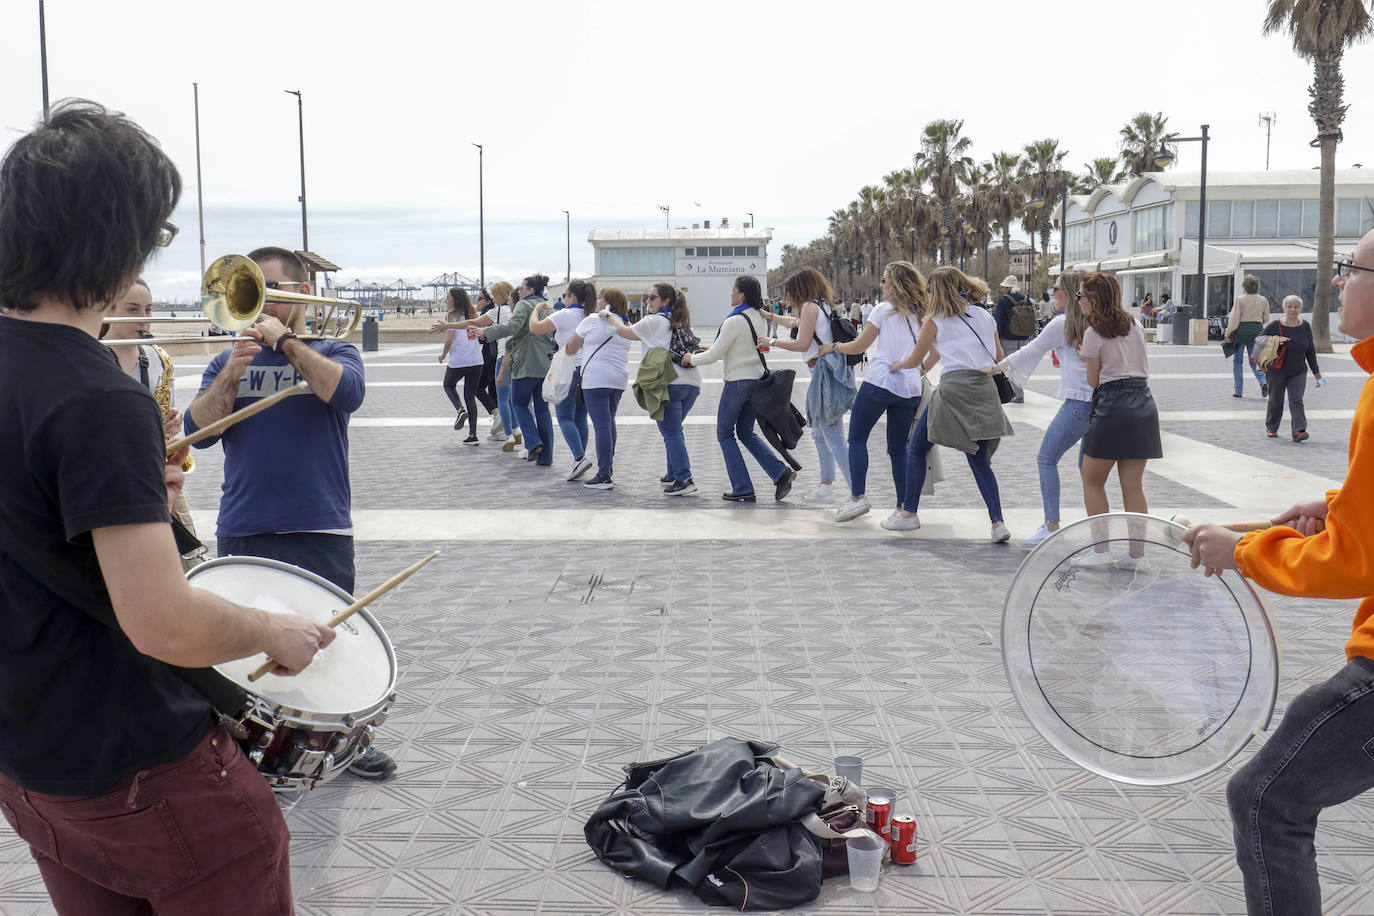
(558, 383)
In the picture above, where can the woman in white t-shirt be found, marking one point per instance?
(578, 302)
(893, 324)
(503, 420)
(668, 324)
(965, 412)
(605, 371)
(1123, 430)
(463, 357)
(808, 292)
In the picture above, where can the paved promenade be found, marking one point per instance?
(565, 632)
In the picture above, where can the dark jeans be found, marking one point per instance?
(532, 413)
(980, 462)
(680, 401)
(870, 404)
(487, 383)
(571, 413)
(1322, 754)
(329, 556)
(602, 404)
(472, 393)
(1294, 386)
(185, 838)
(735, 424)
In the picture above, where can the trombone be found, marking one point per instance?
(232, 295)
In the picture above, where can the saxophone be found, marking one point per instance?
(163, 395)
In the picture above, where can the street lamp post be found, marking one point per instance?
(568, 217)
(481, 223)
(1163, 159)
(664, 208)
(300, 115)
(43, 54)
(751, 219)
(1062, 189)
(200, 193)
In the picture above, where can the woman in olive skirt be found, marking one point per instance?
(1123, 429)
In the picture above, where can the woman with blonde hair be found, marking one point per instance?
(893, 325)
(1062, 337)
(809, 294)
(1123, 429)
(965, 412)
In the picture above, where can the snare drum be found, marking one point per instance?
(302, 730)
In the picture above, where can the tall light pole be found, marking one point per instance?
(43, 54)
(200, 193)
(664, 208)
(481, 222)
(568, 217)
(1162, 160)
(751, 218)
(300, 115)
(1267, 117)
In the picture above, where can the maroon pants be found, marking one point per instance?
(202, 834)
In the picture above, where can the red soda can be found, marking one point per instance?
(879, 815)
(472, 333)
(904, 840)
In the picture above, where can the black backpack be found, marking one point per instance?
(842, 330)
(1021, 321)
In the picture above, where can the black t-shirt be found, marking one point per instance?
(80, 708)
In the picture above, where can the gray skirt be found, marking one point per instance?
(1124, 424)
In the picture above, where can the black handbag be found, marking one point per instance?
(1006, 391)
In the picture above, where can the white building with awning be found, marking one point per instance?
(1261, 223)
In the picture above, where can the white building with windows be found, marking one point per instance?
(1261, 223)
(703, 263)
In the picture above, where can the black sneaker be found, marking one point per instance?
(458, 423)
(472, 440)
(599, 482)
(533, 454)
(372, 764)
(680, 488)
(666, 478)
(737, 497)
(785, 484)
(1264, 391)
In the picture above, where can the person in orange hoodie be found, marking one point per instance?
(1322, 753)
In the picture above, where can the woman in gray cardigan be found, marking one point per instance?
(529, 355)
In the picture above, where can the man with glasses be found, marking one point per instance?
(1319, 755)
(286, 490)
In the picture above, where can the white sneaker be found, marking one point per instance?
(1093, 560)
(823, 495)
(852, 509)
(524, 454)
(1034, 540)
(1000, 534)
(498, 432)
(1130, 562)
(580, 467)
(899, 522)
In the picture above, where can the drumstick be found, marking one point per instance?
(220, 425)
(355, 607)
(1238, 527)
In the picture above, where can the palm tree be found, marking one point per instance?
(1141, 139)
(945, 162)
(1104, 170)
(1006, 197)
(1321, 31)
(1044, 176)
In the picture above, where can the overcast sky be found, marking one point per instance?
(608, 109)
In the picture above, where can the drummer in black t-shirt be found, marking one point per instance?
(111, 766)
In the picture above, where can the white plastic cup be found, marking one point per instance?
(879, 792)
(851, 768)
(865, 859)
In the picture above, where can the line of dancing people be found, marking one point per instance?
(503, 347)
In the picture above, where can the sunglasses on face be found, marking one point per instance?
(166, 234)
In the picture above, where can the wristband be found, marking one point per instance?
(283, 339)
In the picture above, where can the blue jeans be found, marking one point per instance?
(1242, 355)
(572, 419)
(980, 462)
(735, 421)
(1319, 756)
(831, 450)
(870, 404)
(680, 401)
(1065, 431)
(329, 556)
(602, 404)
(504, 399)
(532, 413)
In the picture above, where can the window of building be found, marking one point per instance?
(637, 261)
(713, 251)
(1218, 219)
(1290, 219)
(1311, 218)
(1266, 219)
(1153, 229)
(690, 252)
(1077, 242)
(1242, 219)
(1351, 215)
(1278, 284)
(752, 251)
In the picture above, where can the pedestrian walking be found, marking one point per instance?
(571, 412)
(529, 356)
(1015, 321)
(1247, 318)
(463, 357)
(605, 370)
(1289, 377)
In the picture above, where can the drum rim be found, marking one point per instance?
(1269, 645)
(289, 713)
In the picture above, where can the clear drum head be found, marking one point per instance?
(355, 674)
(1131, 663)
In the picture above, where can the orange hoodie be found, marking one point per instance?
(1337, 562)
